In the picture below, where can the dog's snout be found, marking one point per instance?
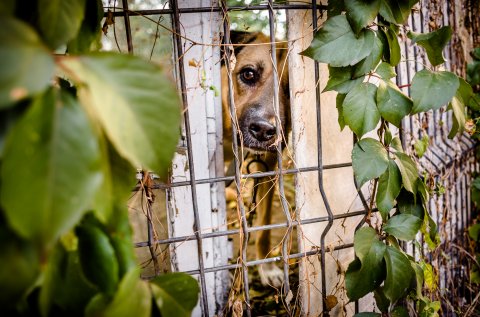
(262, 130)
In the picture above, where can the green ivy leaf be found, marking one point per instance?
(433, 43)
(361, 13)
(432, 90)
(392, 103)
(429, 231)
(408, 204)
(341, 79)
(336, 44)
(371, 61)
(430, 278)
(176, 294)
(360, 109)
(90, 33)
(60, 20)
(27, 66)
(474, 231)
(473, 72)
(133, 298)
(369, 160)
(364, 274)
(381, 300)
(367, 314)
(391, 47)
(465, 91)
(397, 144)
(419, 277)
(403, 226)
(399, 274)
(399, 311)
(58, 161)
(421, 145)
(386, 71)
(409, 171)
(459, 119)
(396, 11)
(339, 101)
(389, 186)
(135, 104)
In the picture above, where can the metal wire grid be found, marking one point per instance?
(439, 158)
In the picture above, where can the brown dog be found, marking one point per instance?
(255, 116)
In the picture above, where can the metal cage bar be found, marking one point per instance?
(439, 157)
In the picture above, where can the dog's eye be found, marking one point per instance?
(248, 76)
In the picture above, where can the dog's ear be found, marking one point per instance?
(239, 37)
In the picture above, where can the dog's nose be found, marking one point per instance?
(262, 130)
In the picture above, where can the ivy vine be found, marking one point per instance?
(359, 42)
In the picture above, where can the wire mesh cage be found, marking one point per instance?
(203, 219)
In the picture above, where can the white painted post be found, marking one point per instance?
(338, 182)
(202, 77)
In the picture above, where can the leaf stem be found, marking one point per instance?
(403, 86)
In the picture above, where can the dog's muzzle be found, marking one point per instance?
(259, 134)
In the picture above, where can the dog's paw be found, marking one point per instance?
(270, 275)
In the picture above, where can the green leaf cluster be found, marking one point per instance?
(359, 41)
(75, 124)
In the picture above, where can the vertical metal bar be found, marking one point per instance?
(320, 170)
(286, 284)
(236, 162)
(126, 15)
(196, 224)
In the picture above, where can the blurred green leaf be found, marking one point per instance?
(27, 66)
(64, 287)
(97, 257)
(175, 294)
(474, 231)
(389, 185)
(360, 109)
(7, 7)
(51, 166)
(432, 90)
(60, 20)
(361, 13)
(369, 160)
(433, 43)
(421, 145)
(137, 107)
(400, 312)
(20, 267)
(336, 44)
(133, 298)
(392, 103)
(90, 30)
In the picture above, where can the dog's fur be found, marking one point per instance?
(253, 94)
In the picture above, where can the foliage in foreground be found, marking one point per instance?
(73, 127)
(359, 42)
